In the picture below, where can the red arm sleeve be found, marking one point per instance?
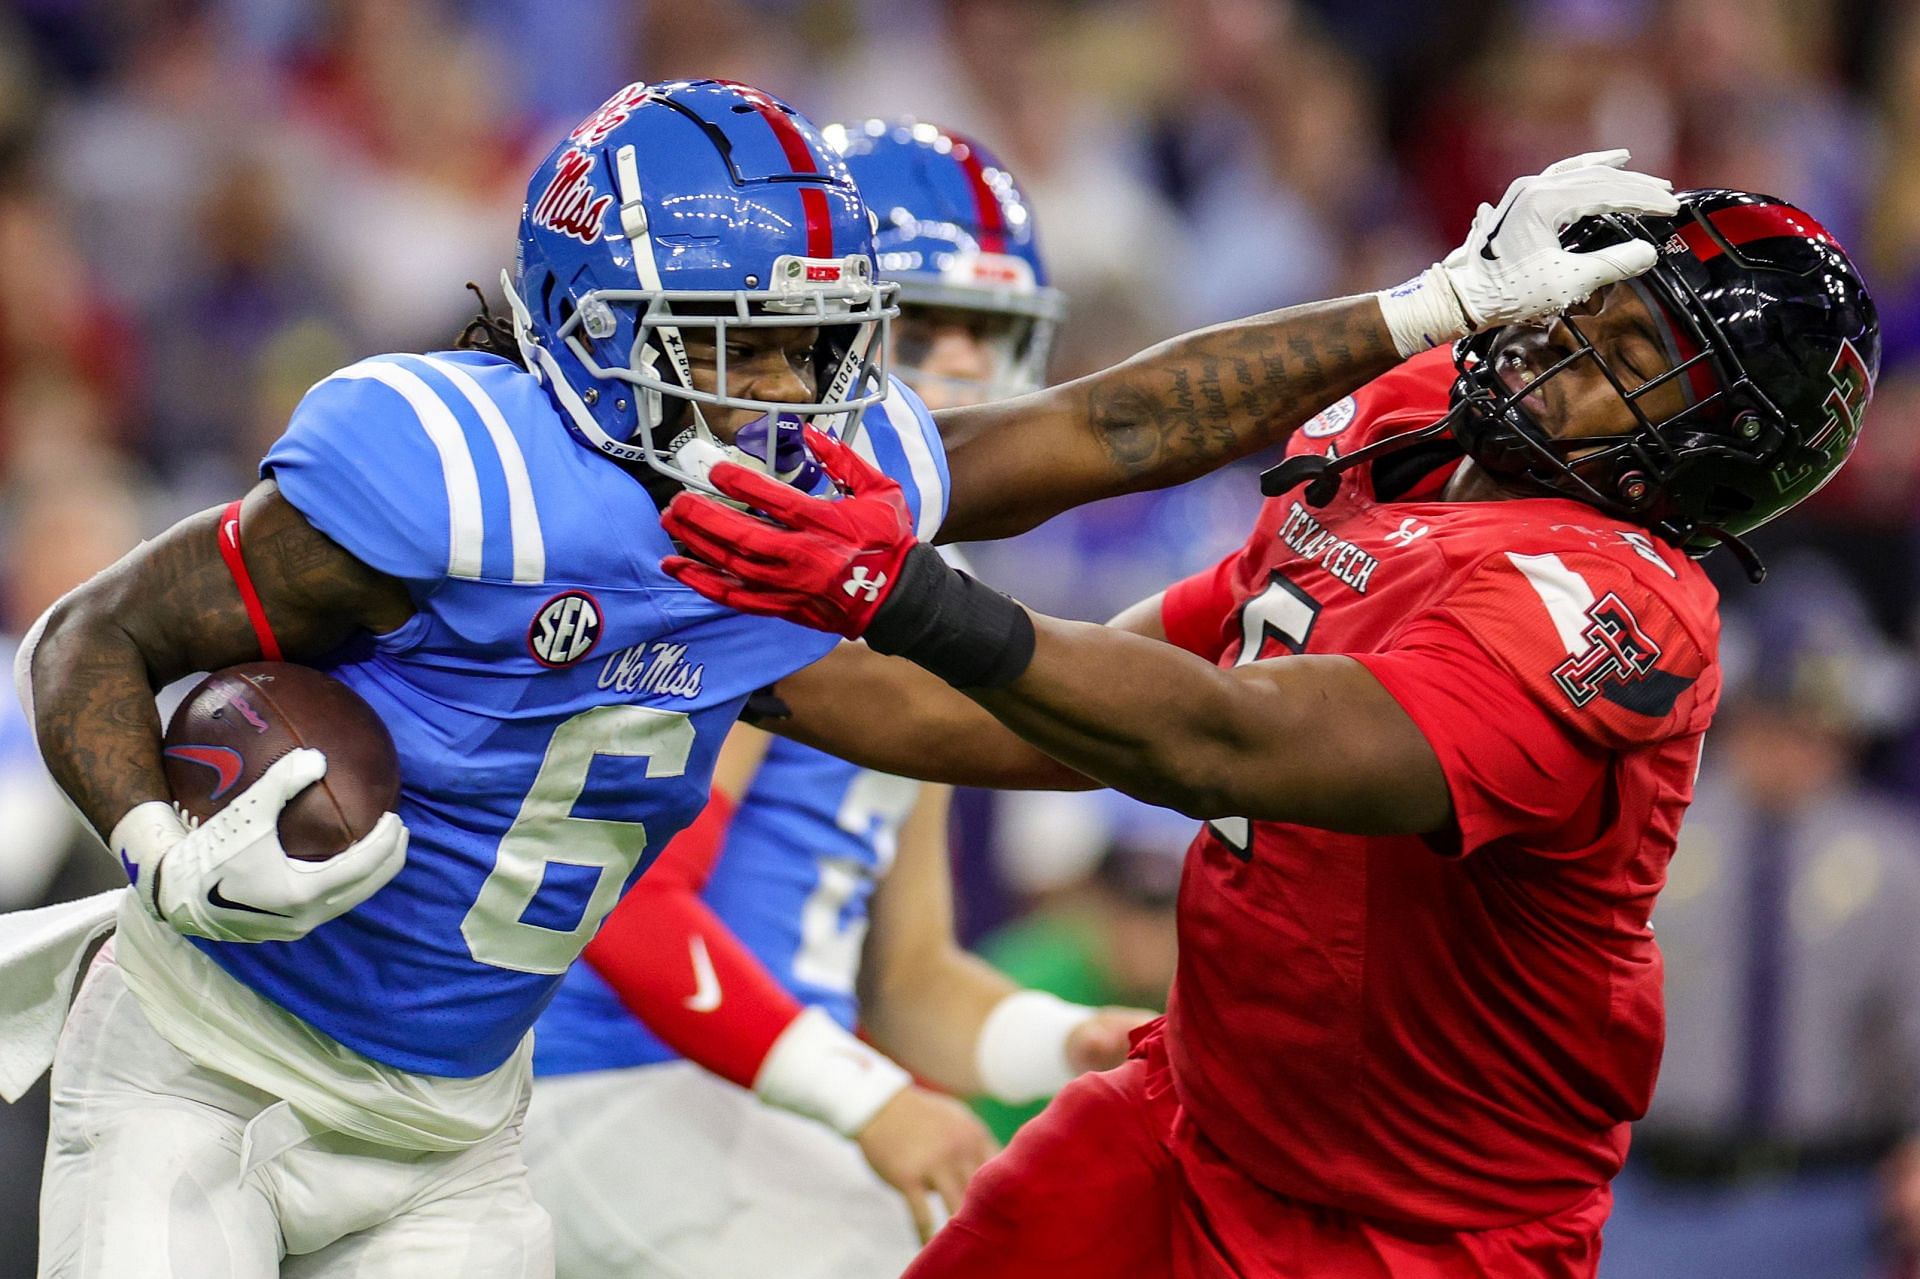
(676, 966)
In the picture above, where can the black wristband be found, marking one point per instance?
(968, 634)
(764, 706)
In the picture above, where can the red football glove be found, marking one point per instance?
(828, 563)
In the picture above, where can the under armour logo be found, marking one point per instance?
(862, 581)
(1407, 531)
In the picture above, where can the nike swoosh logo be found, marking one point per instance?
(223, 760)
(231, 531)
(132, 867)
(217, 898)
(1486, 250)
(706, 982)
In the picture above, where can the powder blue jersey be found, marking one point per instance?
(557, 701)
(811, 839)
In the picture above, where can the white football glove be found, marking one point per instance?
(228, 879)
(1512, 268)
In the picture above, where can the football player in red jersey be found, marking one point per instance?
(1441, 715)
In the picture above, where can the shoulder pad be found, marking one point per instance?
(409, 462)
(1608, 645)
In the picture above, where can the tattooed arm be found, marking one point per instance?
(1192, 404)
(170, 608)
(1169, 414)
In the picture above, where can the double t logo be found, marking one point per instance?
(1617, 651)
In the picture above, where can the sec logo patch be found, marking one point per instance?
(566, 629)
(1331, 420)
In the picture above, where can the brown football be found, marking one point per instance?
(237, 722)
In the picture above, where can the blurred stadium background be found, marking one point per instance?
(206, 205)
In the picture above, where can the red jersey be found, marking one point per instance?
(1452, 1030)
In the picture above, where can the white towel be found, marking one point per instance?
(40, 953)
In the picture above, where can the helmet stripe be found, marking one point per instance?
(813, 204)
(793, 144)
(1745, 223)
(986, 205)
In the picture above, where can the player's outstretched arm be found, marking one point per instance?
(1192, 404)
(1315, 740)
(88, 672)
(928, 730)
(1171, 413)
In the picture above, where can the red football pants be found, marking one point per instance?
(1112, 1179)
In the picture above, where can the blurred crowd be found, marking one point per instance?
(207, 205)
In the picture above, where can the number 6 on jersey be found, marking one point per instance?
(546, 831)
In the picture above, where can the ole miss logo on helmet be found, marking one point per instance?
(612, 113)
(565, 630)
(570, 204)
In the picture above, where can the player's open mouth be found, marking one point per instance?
(1514, 370)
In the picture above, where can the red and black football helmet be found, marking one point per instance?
(1776, 344)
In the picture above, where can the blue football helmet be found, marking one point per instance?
(695, 205)
(955, 231)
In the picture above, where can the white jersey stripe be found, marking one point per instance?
(1564, 592)
(464, 519)
(926, 473)
(863, 444)
(529, 548)
(863, 448)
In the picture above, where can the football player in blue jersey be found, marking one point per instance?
(287, 1070)
(473, 547)
(741, 952)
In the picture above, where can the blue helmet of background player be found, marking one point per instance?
(955, 233)
(702, 207)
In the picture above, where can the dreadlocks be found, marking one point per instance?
(489, 333)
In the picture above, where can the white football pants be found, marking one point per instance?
(144, 1176)
(669, 1172)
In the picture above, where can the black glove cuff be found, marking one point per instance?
(968, 634)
